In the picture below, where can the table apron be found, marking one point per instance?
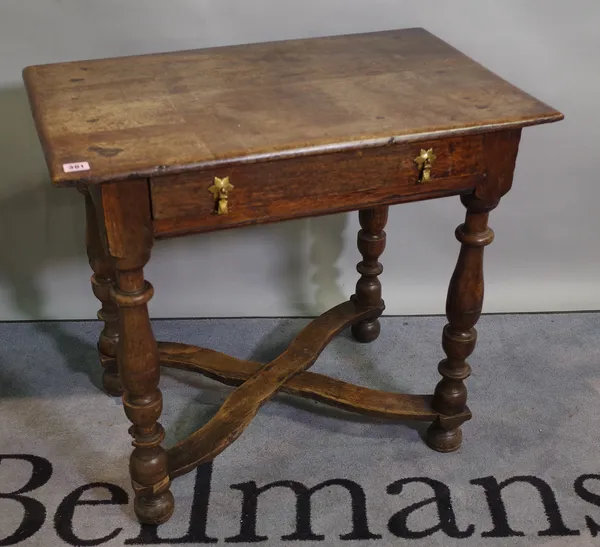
(298, 187)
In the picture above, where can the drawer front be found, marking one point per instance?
(313, 185)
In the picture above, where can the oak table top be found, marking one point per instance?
(143, 115)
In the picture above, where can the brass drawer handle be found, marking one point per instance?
(220, 191)
(425, 161)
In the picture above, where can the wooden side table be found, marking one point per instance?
(176, 143)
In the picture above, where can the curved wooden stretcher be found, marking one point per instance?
(258, 383)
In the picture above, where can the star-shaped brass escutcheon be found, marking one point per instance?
(220, 190)
(425, 161)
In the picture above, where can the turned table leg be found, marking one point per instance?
(102, 282)
(463, 308)
(142, 400)
(128, 228)
(371, 244)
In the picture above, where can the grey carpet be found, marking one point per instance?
(534, 393)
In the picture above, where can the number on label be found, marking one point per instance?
(72, 167)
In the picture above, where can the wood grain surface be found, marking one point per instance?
(172, 112)
(123, 214)
(240, 407)
(319, 184)
(311, 385)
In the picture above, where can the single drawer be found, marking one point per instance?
(282, 189)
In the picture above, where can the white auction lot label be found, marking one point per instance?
(72, 167)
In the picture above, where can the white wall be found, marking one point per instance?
(546, 255)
